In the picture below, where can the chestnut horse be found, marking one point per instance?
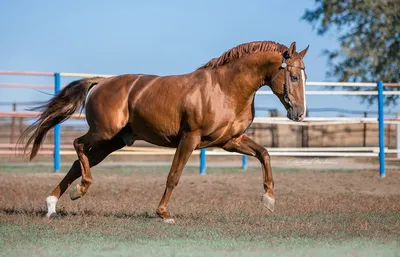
(211, 106)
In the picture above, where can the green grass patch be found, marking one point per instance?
(48, 240)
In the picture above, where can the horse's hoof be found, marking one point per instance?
(268, 202)
(75, 194)
(169, 221)
(52, 215)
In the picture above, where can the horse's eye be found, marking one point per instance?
(294, 78)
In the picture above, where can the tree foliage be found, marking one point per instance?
(369, 36)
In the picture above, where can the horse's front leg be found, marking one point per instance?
(188, 143)
(243, 144)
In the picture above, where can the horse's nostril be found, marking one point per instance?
(301, 116)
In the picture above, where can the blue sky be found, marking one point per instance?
(157, 37)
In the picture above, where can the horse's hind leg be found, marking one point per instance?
(82, 146)
(95, 156)
(51, 201)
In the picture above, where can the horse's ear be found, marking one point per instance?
(303, 53)
(292, 49)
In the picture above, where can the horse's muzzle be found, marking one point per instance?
(296, 113)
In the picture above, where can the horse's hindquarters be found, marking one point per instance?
(107, 106)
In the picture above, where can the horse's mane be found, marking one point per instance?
(243, 50)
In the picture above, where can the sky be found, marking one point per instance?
(153, 37)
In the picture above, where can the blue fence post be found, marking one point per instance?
(382, 172)
(244, 161)
(203, 161)
(57, 129)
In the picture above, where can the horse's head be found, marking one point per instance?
(289, 83)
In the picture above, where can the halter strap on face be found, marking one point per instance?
(283, 67)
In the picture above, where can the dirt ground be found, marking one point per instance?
(218, 214)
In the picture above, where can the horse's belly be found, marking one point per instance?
(220, 136)
(156, 130)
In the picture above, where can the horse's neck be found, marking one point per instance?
(248, 74)
(240, 83)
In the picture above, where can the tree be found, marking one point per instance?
(369, 36)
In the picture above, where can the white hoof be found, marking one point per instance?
(268, 202)
(169, 221)
(51, 202)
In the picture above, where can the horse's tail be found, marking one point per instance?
(56, 110)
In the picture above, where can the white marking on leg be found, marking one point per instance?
(51, 202)
(303, 78)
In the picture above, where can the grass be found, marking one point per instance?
(50, 240)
